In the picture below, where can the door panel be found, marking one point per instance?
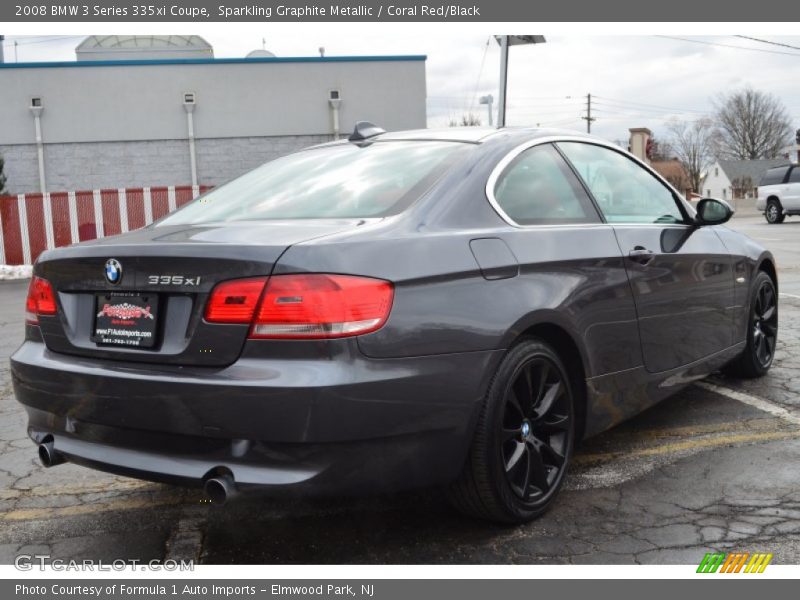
(680, 274)
(683, 292)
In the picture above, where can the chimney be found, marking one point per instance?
(638, 143)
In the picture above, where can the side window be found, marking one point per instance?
(775, 176)
(626, 192)
(538, 187)
(795, 176)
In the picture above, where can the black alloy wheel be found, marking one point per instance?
(765, 324)
(523, 440)
(762, 331)
(536, 427)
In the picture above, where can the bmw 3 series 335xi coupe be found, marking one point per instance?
(450, 308)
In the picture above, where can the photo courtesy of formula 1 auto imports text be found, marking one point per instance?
(310, 300)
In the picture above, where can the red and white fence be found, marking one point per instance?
(33, 223)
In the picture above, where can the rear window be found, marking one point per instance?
(343, 181)
(773, 176)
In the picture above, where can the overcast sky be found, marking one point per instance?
(634, 81)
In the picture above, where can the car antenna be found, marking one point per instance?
(365, 130)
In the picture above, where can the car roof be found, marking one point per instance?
(459, 134)
(477, 134)
(468, 135)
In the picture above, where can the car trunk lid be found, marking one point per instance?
(166, 276)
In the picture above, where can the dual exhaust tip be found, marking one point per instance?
(48, 455)
(219, 488)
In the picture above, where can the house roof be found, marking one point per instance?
(670, 169)
(753, 169)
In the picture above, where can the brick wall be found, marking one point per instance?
(100, 165)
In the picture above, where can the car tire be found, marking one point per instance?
(762, 331)
(523, 440)
(774, 212)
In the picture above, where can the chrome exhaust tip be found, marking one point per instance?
(48, 455)
(220, 489)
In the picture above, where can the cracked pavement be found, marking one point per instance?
(700, 472)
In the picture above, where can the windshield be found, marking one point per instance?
(343, 181)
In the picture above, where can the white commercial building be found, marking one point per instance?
(141, 111)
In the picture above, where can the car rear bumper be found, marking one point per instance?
(761, 204)
(306, 424)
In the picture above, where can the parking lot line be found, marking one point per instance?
(676, 447)
(756, 402)
(36, 514)
(795, 296)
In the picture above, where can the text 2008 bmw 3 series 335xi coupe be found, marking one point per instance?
(428, 308)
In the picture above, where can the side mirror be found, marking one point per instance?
(711, 211)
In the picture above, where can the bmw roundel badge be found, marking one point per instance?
(113, 271)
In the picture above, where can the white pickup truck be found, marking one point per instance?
(779, 193)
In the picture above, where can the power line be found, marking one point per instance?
(707, 43)
(50, 39)
(480, 73)
(754, 39)
(635, 103)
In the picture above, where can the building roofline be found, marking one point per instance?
(212, 61)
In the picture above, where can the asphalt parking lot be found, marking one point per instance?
(713, 468)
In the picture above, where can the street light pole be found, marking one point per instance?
(501, 101)
(488, 101)
(505, 41)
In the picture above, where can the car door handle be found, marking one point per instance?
(641, 255)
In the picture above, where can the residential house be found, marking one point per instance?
(673, 171)
(737, 179)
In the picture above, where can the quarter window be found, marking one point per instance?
(624, 190)
(538, 187)
(794, 177)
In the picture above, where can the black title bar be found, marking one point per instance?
(49, 11)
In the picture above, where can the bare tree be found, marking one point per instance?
(659, 149)
(467, 120)
(693, 143)
(751, 124)
(741, 186)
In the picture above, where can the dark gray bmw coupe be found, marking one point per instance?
(455, 307)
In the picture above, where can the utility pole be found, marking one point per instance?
(797, 140)
(588, 118)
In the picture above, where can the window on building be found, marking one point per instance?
(716, 171)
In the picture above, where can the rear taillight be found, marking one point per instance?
(41, 300)
(235, 301)
(308, 306)
(322, 306)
